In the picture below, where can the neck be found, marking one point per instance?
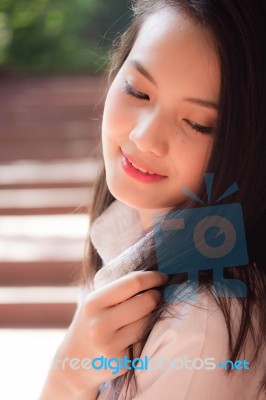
(146, 217)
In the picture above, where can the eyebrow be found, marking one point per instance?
(139, 67)
(204, 103)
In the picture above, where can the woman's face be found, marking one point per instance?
(160, 113)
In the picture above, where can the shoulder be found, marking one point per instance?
(187, 356)
(199, 324)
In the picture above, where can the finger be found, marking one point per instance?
(132, 309)
(126, 287)
(131, 333)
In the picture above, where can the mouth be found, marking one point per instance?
(141, 173)
(140, 167)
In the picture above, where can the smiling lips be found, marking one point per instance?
(137, 172)
(141, 168)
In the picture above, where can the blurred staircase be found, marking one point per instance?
(49, 158)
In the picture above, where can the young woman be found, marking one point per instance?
(187, 97)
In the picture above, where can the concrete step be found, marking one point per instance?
(37, 307)
(40, 295)
(49, 152)
(28, 172)
(47, 149)
(39, 273)
(43, 238)
(30, 92)
(50, 117)
(40, 267)
(35, 315)
(44, 201)
(38, 188)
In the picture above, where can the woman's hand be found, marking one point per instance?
(108, 321)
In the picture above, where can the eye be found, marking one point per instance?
(200, 128)
(128, 89)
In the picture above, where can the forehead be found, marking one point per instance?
(174, 47)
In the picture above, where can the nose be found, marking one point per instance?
(149, 134)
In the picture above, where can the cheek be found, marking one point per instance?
(116, 115)
(193, 153)
(193, 161)
(201, 161)
(202, 149)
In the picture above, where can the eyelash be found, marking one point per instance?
(128, 89)
(135, 93)
(205, 130)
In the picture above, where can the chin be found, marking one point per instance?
(131, 201)
(135, 200)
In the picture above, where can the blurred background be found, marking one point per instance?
(52, 59)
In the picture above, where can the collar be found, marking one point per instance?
(115, 231)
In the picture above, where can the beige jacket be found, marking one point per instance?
(175, 344)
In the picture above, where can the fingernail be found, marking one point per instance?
(165, 276)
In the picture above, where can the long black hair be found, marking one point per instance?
(238, 155)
